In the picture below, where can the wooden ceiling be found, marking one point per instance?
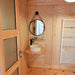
(47, 2)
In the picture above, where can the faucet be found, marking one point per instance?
(32, 39)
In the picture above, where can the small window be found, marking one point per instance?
(8, 14)
(10, 49)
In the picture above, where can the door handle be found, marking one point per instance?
(20, 54)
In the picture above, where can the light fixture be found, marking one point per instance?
(70, 0)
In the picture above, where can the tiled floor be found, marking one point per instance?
(40, 71)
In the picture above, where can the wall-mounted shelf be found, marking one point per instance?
(28, 51)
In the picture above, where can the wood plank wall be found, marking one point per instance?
(61, 12)
(53, 16)
(23, 33)
(47, 2)
(46, 13)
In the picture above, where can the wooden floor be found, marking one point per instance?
(40, 71)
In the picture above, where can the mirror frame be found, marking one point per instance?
(30, 24)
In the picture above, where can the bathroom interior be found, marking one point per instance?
(37, 37)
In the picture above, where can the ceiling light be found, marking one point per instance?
(70, 0)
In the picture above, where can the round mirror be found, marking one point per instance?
(37, 27)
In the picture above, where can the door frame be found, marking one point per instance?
(5, 34)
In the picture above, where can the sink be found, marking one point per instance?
(35, 48)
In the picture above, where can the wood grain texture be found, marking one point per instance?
(28, 51)
(36, 59)
(22, 39)
(24, 44)
(53, 16)
(47, 2)
(68, 42)
(60, 12)
(69, 33)
(49, 71)
(2, 59)
(67, 55)
(69, 23)
(47, 16)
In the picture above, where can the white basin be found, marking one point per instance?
(35, 48)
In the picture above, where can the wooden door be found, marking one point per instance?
(10, 53)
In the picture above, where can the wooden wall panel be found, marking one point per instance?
(23, 34)
(69, 23)
(69, 33)
(68, 42)
(53, 16)
(36, 59)
(46, 13)
(60, 12)
(68, 57)
(47, 2)
(23, 25)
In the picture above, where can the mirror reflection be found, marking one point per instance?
(37, 27)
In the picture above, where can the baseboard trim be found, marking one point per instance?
(54, 67)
